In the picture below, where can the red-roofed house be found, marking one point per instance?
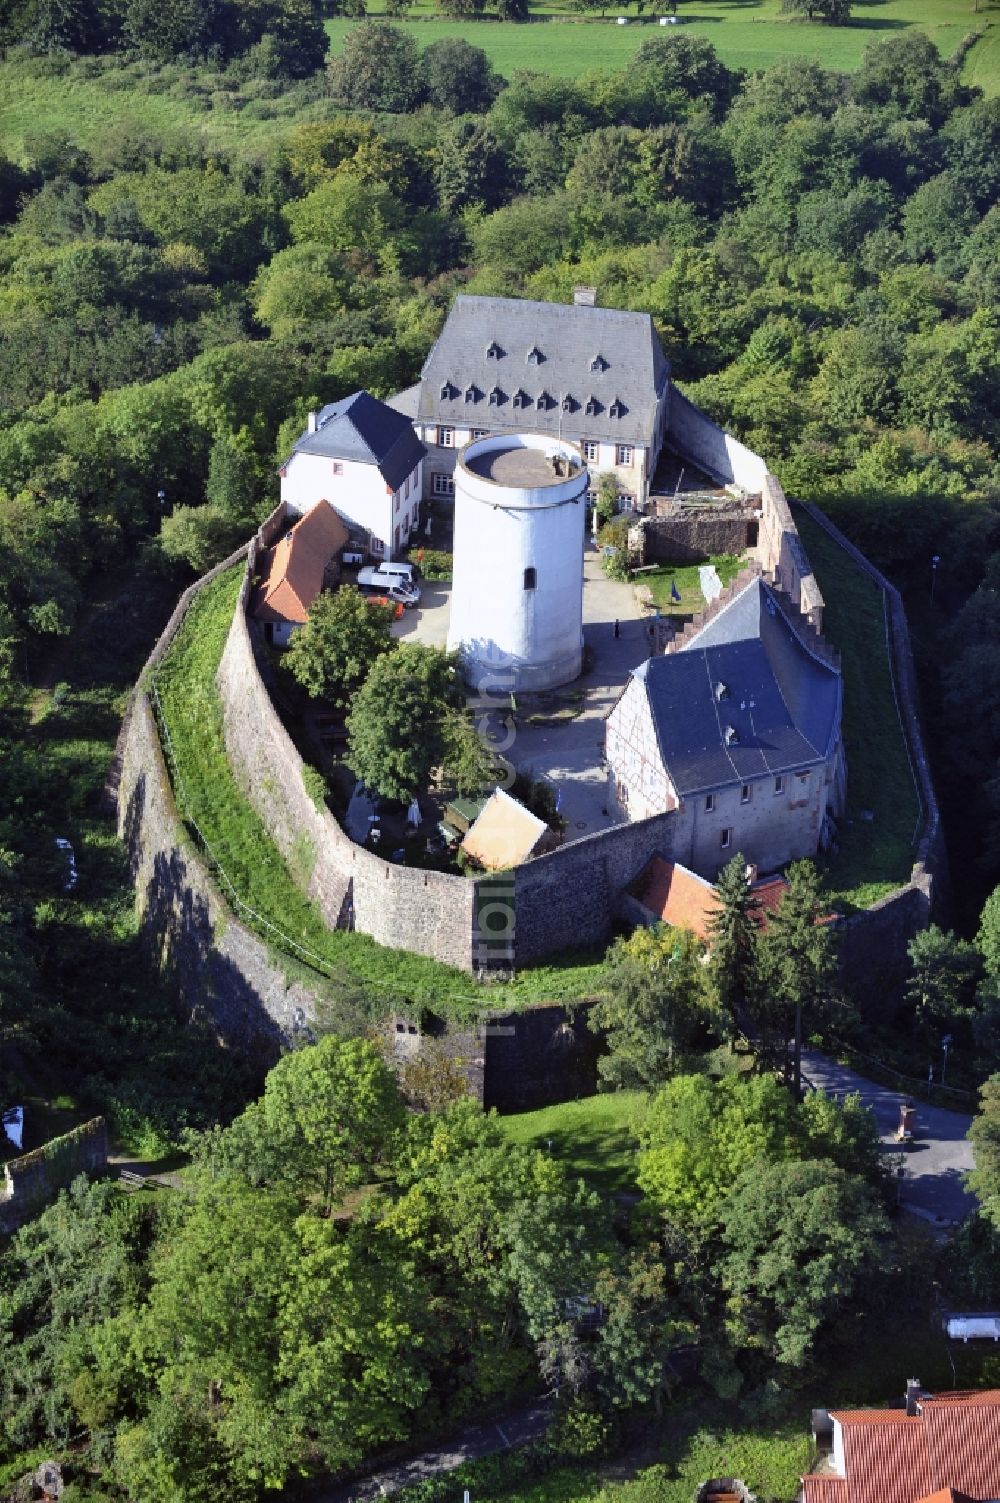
(294, 569)
(670, 894)
(937, 1450)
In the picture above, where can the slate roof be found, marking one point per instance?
(363, 429)
(293, 569)
(743, 700)
(534, 356)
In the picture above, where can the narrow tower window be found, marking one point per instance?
(530, 579)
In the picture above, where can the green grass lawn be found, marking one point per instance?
(876, 854)
(40, 95)
(686, 577)
(593, 1137)
(207, 792)
(748, 36)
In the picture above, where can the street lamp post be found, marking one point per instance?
(945, 1046)
(934, 568)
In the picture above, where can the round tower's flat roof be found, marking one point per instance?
(519, 467)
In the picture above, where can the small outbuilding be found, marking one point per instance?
(295, 570)
(506, 833)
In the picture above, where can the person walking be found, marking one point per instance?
(618, 630)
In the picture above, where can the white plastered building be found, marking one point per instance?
(517, 596)
(366, 460)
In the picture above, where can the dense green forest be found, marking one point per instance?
(821, 255)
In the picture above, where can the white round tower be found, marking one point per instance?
(517, 593)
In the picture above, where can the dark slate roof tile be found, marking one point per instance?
(604, 355)
(363, 429)
(779, 712)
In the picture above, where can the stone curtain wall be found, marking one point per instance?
(37, 1177)
(219, 966)
(428, 912)
(730, 463)
(873, 944)
(931, 856)
(711, 448)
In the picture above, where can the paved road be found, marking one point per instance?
(470, 1445)
(936, 1160)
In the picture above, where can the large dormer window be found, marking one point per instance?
(599, 364)
(617, 408)
(448, 392)
(535, 356)
(520, 399)
(493, 351)
(544, 401)
(593, 407)
(472, 393)
(496, 397)
(568, 403)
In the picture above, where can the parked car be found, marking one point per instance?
(395, 594)
(385, 576)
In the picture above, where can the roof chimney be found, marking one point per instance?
(585, 297)
(912, 1395)
(311, 424)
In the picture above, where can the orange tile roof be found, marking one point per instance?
(293, 569)
(676, 896)
(824, 1490)
(505, 833)
(949, 1451)
(963, 1437)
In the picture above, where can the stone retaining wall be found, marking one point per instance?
(35, 1178)
(430, 913)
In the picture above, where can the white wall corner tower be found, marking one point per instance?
(517, 596)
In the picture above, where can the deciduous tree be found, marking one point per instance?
(333, 653)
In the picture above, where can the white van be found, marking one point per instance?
(405, 573)
(385, 575)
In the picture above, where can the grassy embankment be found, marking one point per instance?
(877, 839)
(592, 1137)
(209, 795)
(91, 99)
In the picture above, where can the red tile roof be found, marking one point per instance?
(676, 896)
(963, 1437)
(948, 1452)
(824, 1490)
(293, 569)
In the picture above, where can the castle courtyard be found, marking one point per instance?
(559, 736)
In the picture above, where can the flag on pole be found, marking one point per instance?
(675, 593)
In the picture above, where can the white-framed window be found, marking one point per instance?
(443, 485)
(623, 454)
(591, 449)
(779, 784)
(625, 501)
(726, 838)
(480, 433)
(709, 803)
(746, 793)
(337, 467)
(446, 438)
